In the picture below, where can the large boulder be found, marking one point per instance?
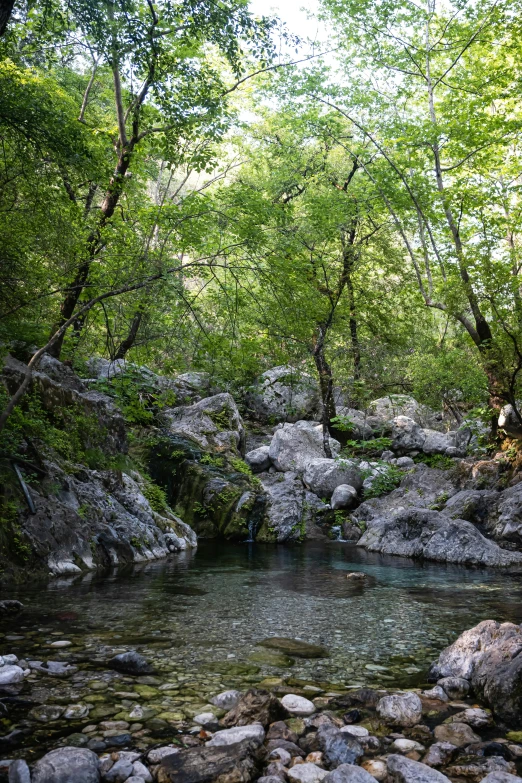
(490, 657)
(295, 445)
(213, 423)
(284, 394)
(421, 487)
(360, 429)
(436, 442)
(291, 513)
(387, 408)
(433, 536)
(407, 435)
(322, 476)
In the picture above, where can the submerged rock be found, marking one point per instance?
(131, 663)
(295, 647)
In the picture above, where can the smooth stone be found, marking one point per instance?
(406, 746)
(436, 693)
(298, 705)
(226, 700)
(254, 732)
(349, 773)
(63, 643)
(66, 765)
(459, 734)
(400, 709)
(355, 731)
(306, 773)
(455, 687)
(19, 772)
(119, 772)
(404, 770)
(11, 674)
(295, 647)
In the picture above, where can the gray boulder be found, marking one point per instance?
(67, 765)
(361, 429)
(434, 536)
(322, 476)
(284, 394)
(404, 770)
(295, 445)
(258, 459)
(407, 435)
(19, 772)
(474, 505)
(387, 408)
(213, 423)
(437, 442)
(400, 709)
(455, 687)
(490, 657)
(291, 512)
(343, 496)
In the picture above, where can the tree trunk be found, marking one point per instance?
(110, 201)
(6, 9)
(129, 341)
(354, 336)
(326, 385)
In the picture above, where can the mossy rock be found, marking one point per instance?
(271, 658)
(98, 713)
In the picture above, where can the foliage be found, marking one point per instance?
(369, 448)
(439, 461)
(384, 482)
(156, 497)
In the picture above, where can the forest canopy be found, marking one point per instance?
(192, 187)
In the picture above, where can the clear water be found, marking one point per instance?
(217, 604)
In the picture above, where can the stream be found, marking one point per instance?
(200, 616)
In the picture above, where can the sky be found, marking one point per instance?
(293, 13)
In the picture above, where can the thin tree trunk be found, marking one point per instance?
(354, 336)
(326, 385)
(126, 344)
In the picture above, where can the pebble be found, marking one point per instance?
(298, 705)
(62, 643)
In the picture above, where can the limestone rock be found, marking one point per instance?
(322, 476)
(258, 459)
(488, 655)
(293, 446)
(459, 734)
(400, 709)
(404, 770)
(433, 536)
(407, 435)
(284, 394)
(343, 496)
(65, 765)
(213, 423)
(348, 773)
(298, 705)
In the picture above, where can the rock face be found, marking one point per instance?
(284, 394)
(400, 709)
(489, 656)
(65, 765)
(213, 423)
(291, 512)
(295, 445)
(433, 536)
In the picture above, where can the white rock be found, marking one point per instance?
(406, 746)
(226, 700)
(298, 705)
(253, 732)
(323, 476)
(376, 768)
(156, 755)
(205, 718)
(400, 709)
(10, 659)
(61, 643)
(295, 445)
(10, 675)
(139, 770)
(355, 731)
(306, 773)
(501, 777)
